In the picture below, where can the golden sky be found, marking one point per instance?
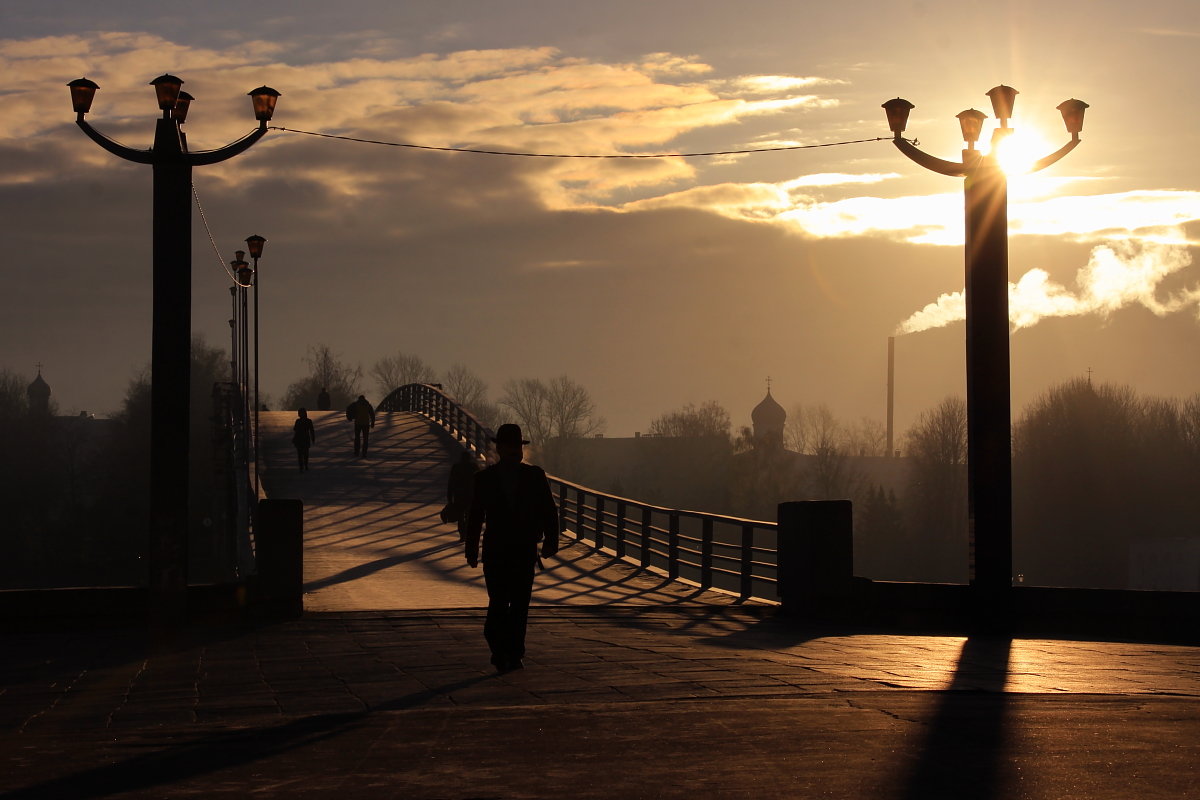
(653, 282)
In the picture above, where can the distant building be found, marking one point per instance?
(38, 394)
(768, 418)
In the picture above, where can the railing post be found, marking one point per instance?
(647, 518)
(580, 527)
(562, 503)
(673, 546)
(706, 552)
(599, 522)
(620, 531)
(747, 566)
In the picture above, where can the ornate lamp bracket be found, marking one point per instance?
(1042, 163)
(952, 168)
(228, 151)
(119, 150)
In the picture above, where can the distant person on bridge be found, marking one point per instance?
(304, 436)
(323, 401)
(513, 507)
(362, 414)
(459, 489)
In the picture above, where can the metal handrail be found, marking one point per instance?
(430, 400)
(710, 550)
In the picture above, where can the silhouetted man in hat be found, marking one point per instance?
(514, 509)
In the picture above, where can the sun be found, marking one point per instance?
(1019, 152)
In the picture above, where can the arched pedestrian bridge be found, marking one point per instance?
(373, 539)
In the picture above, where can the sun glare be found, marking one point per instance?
(1018, 152)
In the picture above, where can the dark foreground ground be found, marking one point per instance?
(693, 702)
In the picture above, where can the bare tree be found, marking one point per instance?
(937, 496)
(467, 388)
(326, 371)
(1096, 468)
(867, 437)
(526, 399)
(552, 414)
(709, 419)
(1189, 424)
(810, 427)
(401, 369)
(571, 411)
(470, 392)
(828, 474)
(13, 400)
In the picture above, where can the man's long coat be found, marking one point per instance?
(513, 518)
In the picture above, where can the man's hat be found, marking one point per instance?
(509, 434)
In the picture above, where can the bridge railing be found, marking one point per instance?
(430, 400)
(711, 550)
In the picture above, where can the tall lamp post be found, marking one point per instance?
(255, 243)
(245, 279)
(171, 338)
(989, 413)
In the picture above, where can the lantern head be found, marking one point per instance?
(971, 122)
(255, 243)
(82, 93)
(1003, 98)
(897, 115)
(167, 87)
(264, 98)
(1072, 114)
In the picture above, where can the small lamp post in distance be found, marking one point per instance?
(255, 245)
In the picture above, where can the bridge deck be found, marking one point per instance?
(373, 539)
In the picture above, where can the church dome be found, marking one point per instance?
(768, 413)
(39, 389)
(38, 393)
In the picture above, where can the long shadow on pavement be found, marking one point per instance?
(969, 733)
(217, 751)
(370, 567)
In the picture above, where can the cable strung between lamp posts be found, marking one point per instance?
(479, 151)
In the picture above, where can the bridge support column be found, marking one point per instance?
(279, 551)
(816, 554)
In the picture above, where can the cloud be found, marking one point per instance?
(1171, 32)
(1118, 275)
(937, 219)
(838, 179)
(528, 99)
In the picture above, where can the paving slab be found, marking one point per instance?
(648, 689)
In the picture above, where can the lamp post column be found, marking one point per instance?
(257, 404)
(989, 403)
(989, 437)
(171, 340)
(170, 379)
(255, 244)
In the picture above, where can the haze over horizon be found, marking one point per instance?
(653, 283)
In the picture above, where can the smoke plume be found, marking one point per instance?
(1118, 274)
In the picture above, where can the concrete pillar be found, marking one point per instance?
(279, 551)
(816, 551)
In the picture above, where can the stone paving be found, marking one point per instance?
(373, 539)
(650, 689)
(416, 688)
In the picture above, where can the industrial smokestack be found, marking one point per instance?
(891, 396)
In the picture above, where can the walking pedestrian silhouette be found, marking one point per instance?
(513, 508)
